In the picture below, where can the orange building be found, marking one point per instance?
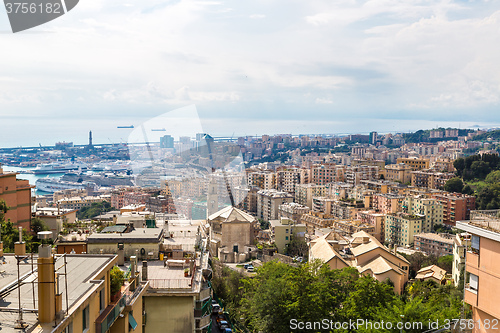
(17, 195)
(482, 272)
(456, 206)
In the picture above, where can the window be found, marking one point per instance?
(286, 230)
(286, 237)
(102, 299)
(474, 244)
(85, 319)
(473, 282)
(69, 328)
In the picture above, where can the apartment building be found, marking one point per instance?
(375, 219)
(456, 206)
(388, 203)
(304, 193)
(69, 293)
(268, 202)
(398, 172)
(430, 209)
(415, 163)
(316, 220)
(482, 272)
(461, 243)
(179, 297)
(246, 198)
(288, 178)
(283, 230)
(430, 179)
(400, 228)
(80, 202)
(434, 244)
(292, 211)
(323, 204)
(327, 173)
(17, 195)
(355, 174)
(264, 180)
(346, 209)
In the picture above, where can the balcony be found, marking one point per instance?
(470, 295)
(110, 314)
(472, 259)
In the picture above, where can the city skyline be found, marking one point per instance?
(252, 68)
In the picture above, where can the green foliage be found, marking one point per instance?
(495, 135)
(97, 208)
(10, 234)
(278, 293)
(476, 166)
(297, 247)
(454, 184)
(117, 278)
(264, 225)
(446, 263)
(38, 225)
(489, 197)
(493, 177)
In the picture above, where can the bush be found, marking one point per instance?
(117, 279)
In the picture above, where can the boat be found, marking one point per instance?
(131, 126)
(158, 130)
(52, 185)
(58, 167)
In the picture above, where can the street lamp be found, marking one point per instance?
(402, 321)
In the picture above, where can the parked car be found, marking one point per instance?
(223, 324)
(228, 330)
(250, 268)
(215, 308)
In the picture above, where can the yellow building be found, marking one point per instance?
(430, 209)
(398, 172)
(415, 163)
(73, 294)
(400, 228)
(283, 230)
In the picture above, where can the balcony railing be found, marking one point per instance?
(110, 314)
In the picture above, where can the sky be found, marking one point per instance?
(251, 67)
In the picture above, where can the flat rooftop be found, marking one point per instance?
(80, 269)
(139, 235)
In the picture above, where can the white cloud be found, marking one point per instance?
(377, 55)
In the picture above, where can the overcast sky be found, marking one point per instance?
(253, 66)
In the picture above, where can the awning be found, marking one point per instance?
(131, 321)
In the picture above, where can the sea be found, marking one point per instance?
(30, 177)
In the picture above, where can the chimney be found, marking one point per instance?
(144, 270)
(191, 267)
(121, 255)
(46, 285)
(20, 247)
(133, 272)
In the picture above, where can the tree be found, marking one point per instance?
(493, 177)
(297, 247)
(480, 169)
(446, 263)
(489, 197)
(454, 185)
(38, 225)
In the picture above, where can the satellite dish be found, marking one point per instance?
(44, 235)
